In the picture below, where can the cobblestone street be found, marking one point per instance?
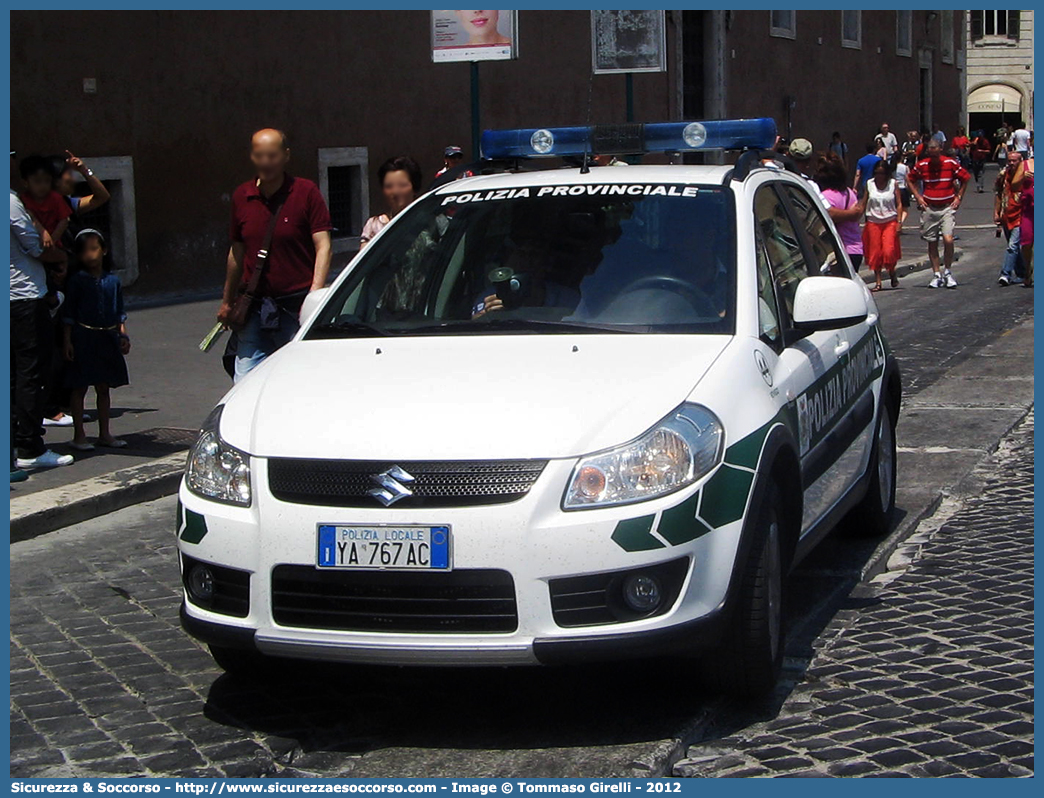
(926, 671)
(929, 672)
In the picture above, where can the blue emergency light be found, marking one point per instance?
(630, 139)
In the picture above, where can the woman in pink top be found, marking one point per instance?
(400, 180)
(846, 209)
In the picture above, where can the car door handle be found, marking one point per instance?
(841, 348)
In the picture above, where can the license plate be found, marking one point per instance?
(399, 548)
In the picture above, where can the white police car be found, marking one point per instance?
(549, 416)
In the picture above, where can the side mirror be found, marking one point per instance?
(311, 304)
(829, 303)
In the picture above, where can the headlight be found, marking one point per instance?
(216, 470)
(679, 450)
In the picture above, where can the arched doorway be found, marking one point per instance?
(993, 104)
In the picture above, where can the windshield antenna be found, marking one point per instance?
(585, 168)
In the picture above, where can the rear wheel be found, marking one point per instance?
(748, 662)
(872, 517)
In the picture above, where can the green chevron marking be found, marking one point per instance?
(633, 534)
(725, 496)
(192, 526)
(679, 524)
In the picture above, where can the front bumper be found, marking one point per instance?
(532, 539)
(687, 638)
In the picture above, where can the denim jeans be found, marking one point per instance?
(256, 344)
(1013, 267)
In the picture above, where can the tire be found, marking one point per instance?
(749, 660)
(872, 517)
(242, 662)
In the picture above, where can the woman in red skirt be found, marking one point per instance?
(881, 233)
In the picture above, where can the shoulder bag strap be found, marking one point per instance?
(262, 254)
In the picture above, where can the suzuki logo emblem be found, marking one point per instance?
(390, 488)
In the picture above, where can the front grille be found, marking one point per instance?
(231, 594)
(597, 599)
(347, 483)
(394, 601)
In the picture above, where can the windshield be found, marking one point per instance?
(620, 258)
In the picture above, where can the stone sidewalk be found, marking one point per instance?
(929, 671)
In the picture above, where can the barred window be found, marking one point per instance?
(852, 29)
(783, 24)
(343, 183)
(904, 33)
(995, 24)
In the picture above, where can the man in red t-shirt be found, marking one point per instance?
(980, 153)
(299, 255)
(937, 184)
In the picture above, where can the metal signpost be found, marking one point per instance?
(628, 42)
(474, 36)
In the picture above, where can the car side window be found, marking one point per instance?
(823, 244)
(768, 315)
(782, 245)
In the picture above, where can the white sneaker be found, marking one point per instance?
(951, 282)
(48, 459)
(937, 281)
(65, 421)
(1003, 280)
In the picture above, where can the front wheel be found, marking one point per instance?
(748, 662)
(872, 517)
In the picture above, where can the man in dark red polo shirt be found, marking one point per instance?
(299, 256)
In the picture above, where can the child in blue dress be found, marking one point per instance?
(95, 336)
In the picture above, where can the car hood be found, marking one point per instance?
(463, 397)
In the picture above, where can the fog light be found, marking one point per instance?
(642, 593)
(201, 583)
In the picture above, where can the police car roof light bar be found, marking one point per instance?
(629, 139)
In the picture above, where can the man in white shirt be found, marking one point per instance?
(1020, 140)
(891, 143)
(31, 341)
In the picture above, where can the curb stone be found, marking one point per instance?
(38, 513)
(878, 562)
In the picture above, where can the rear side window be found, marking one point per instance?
(768, 317)
(782, 244)
(823, 245)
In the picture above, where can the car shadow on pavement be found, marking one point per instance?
(355, 709)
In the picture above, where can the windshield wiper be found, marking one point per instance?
(347, 329)
(491, 324)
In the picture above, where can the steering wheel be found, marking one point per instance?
(699, 301)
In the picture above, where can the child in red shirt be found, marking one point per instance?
(46, 205)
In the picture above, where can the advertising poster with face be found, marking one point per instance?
(474, 36)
